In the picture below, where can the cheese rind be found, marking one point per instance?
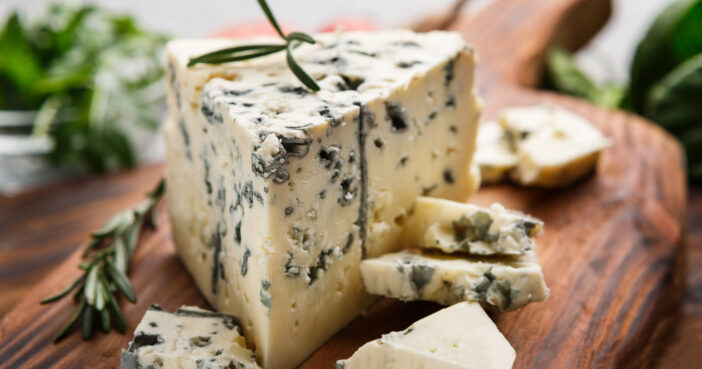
(452, 226)
(555, 147)
(190, 338)
(276, 193)
(458, 337)
(500, 284)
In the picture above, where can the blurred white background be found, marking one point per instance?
(606, 58)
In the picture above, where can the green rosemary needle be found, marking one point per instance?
(245, 52)
(105, 271)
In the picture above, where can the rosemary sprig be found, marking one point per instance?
(105, 272)
(292, 40)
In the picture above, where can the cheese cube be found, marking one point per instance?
(190, 338)
(452, 226)
(459, 337)
(499, 284)
(276, 193)
(555, 147)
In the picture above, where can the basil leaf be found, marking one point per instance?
(565, 76)
(673, 37)
(676, 104)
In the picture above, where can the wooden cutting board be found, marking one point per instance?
(611, 250)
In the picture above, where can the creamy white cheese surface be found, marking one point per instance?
(276, 193)
(458, 337)
(452, 226)
(500, 284)
(190, 338)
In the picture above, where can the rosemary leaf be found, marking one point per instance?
(242, 56)
(63, 293)
(112, 304)
(105, 320)
(270, 17)
(131, 236)
(88, 322)
(112, 225)
(121, 282)
(300, 36)
(158, 191)
(299, 72)
(245, 52)
(128, 220)
(90, 283)
(99, 297)
(68, 328)
(121, 255)
(109, 254)
(233, 51)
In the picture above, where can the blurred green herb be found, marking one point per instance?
(104, 277)
(92, 76)
(246, 52)
(665, 82)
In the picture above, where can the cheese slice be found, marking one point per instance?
(452, 226)
(276, 194)
(555, 147)
(458, 337)
(500, 284)
(494, 155)
(190, 338)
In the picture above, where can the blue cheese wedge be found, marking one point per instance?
(494, 155)
(190, 338)
(452, 226)
(555, 147)
(500, 284)
(458, 337)
(276, 193)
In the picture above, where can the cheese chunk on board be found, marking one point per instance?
(458, 337)
(499, 284)
(452, 226)
(190, 338)
(494, 154)
(276, 194)
(555, 147)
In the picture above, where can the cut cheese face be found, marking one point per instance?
(452, 226)
(276, 194)
(494, 155)
(190, 338)
(458, 337)
(555, 147)
(500, 284)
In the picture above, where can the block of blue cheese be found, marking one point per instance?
(499, 284)
(276, 193)
(190, 338)
(554, 146)
(458, 337)
(452, 226)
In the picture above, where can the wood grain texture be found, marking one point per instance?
(40, 228)
(611, 250)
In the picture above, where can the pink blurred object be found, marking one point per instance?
(263, 28)
(350, 24)
(251, 29)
